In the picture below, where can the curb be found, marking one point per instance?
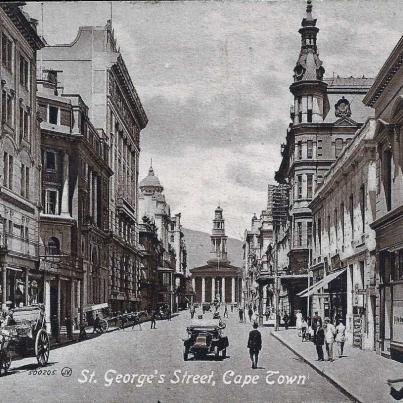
(320, 371)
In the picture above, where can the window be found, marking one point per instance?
(299, 109)
(24, 68)
(50, 160)
(338, 145)
(362, 207)
(309, 116)
(320, 234)
(309, 149)
(336, 222)
(352, 215)
(10, 227)
(309, 185)
(53, 115)
(53, 246)
(51, 202)
(299, 233)
(8, 171)
(299, 186)
(7, 51)
(342, 219)
(328, 227)
(319, 148)
(309, 234)
(22, 177)
(299, 150)
(387, 177)
(7, 108)
(3, 106)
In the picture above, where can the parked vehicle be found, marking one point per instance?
(205, 337)
(24, 333)
(102, 310)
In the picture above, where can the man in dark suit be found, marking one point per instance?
(320, 341)
(254, 345)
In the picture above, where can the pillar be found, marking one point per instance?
(203, 290)
(223, 290)
(194, 284)
(65, 192)
(58, 304)
(4, 288)
(233, 289)
(26, 286)
(212, 289)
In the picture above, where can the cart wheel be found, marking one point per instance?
(104, 325)
(224, 353)
(216, 352)
(42, 347)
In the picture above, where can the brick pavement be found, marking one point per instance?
(360, 373)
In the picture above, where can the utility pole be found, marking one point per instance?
(276, 290)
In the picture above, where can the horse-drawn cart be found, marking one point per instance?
(24, 333)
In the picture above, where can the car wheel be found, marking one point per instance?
(224, 353)
(216, 352)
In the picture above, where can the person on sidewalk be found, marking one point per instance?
(250, 313)
(225, 311)
(320, 341)
(286, 320)
(316, 320)
(304, 329)
(340, 337)
(153, 321)
(330, 332)
(298, 322)
(240, 312)
(192, 311)
(254, 345)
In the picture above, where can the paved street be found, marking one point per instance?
(156, 352)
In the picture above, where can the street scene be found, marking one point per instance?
(201, 201)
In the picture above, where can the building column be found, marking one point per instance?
(194, 284)
(212, 289)
(4, 288)
(65, 192)
(26, 286)
(233, 289)
(203, 290)
(223, 290)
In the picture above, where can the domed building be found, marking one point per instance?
(218, 280)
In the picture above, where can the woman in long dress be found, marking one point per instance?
(298, 323)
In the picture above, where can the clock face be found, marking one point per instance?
(299, 71)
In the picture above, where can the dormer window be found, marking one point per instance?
(53, 115)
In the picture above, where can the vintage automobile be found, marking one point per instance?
(24, 334)
(205, 337)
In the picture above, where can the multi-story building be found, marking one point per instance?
(74, 218)
(172, 266)
(385, 96)
(21, 282)
(93, 67)
(343, 249)
(217, 281)
(325, 115)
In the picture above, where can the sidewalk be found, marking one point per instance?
(361, 374)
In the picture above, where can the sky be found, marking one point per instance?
(214, 78)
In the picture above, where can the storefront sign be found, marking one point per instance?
(357, 331)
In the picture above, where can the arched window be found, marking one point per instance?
(53, 246)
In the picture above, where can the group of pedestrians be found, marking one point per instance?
(322, 334)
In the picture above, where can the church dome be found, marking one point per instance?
(151, 181)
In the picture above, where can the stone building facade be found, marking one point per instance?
(343, 247)
(385, 96)
(21, 282)
(106, 87)
(218, 281)
(325, 115)
(74, 224)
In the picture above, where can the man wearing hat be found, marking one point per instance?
(254, 344)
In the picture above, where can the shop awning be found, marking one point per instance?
(313, 289)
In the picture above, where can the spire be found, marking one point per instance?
(218, 238)
(309, 66)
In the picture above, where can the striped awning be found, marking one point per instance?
(313, 289)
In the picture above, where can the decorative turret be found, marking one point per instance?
(309, 89)
(218, 238)
(151, 183)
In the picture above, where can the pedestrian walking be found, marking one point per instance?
(254, 345)
(192, 311)
(320, 341)
(97, 325)
(286, 320)
(225, 311)
(240, 312)
(267, 314)
(153, 319)
(304, 329)
(330, 332)
(315, 324)
(83, 333)
(298, 322)
(250, 313)
(340, 337)
(136, 321)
